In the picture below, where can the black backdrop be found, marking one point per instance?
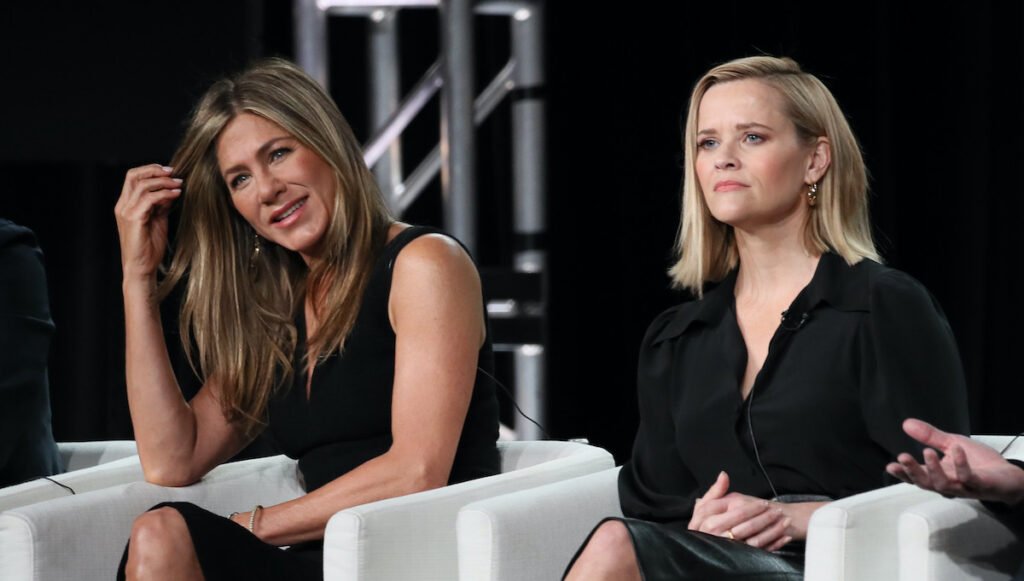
(934, 93)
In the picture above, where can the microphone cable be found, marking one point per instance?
(792, 328)
(1007, 447)
(512, 398)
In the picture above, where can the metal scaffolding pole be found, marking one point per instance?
(523, 77)
(530, 219)
(458, 151)
(422, 175)
(384, 93)
(311, 39)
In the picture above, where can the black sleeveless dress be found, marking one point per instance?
(345, 422)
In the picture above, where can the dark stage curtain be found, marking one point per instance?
(934, 92)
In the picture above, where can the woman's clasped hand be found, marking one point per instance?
(754, 521)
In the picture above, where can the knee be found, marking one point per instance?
(611, 539)
(155, 527)
(154, 537)
(608, 554)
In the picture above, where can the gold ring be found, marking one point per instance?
(729, 535)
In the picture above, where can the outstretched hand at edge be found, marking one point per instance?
(966, 469)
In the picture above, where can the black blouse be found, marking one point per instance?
(860, 349)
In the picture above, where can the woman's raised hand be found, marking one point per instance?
(141, 214)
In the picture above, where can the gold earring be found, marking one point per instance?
(257, 250)
(812, 195)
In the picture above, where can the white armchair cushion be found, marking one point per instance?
(532, 534)
(82, 537)
(413, 537)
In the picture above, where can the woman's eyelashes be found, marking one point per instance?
(748, 138)
(237, 181)
(279, 153)
(275, 155)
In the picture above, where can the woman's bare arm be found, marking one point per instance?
(437, 314)
(178, 441)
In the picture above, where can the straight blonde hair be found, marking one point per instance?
(706, 248)
(239, 304)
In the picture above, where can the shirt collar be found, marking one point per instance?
(839, 285)
(835, 283)
(712, 307)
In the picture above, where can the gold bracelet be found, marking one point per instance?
(252, 517)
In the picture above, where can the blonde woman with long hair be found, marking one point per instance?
(784, 384)
(356, 342)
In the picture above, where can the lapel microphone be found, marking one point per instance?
(791, 323)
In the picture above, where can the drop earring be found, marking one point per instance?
(812, 195)
(257, 249)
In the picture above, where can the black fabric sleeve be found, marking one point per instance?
(27, 449)
(654, 484)
(911, 365)
(1004, 510)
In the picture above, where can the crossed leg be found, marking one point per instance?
(608, 555)
(161, 548)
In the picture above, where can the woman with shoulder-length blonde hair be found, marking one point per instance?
(356, 342)
(784, 384)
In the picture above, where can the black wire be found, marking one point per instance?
(750, 397)
(513, 400)
(1003, 451)
(753, 440)
(64, 486)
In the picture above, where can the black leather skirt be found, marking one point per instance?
(667, 552)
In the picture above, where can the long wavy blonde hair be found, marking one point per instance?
(238, 308)
(706, 248)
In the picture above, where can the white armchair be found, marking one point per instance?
(412, 537)
(532, 534)
(898, 532)
(89, 466)
(903, 532)
(948, 540)
(944, 540)
(82, 537)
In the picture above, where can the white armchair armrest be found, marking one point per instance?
(413, 537)
(89, 466)
(946, 540)
(83, 536)
(78, 455)
(77, 482)
(868, 537)
(532, 534)
(854, 538)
